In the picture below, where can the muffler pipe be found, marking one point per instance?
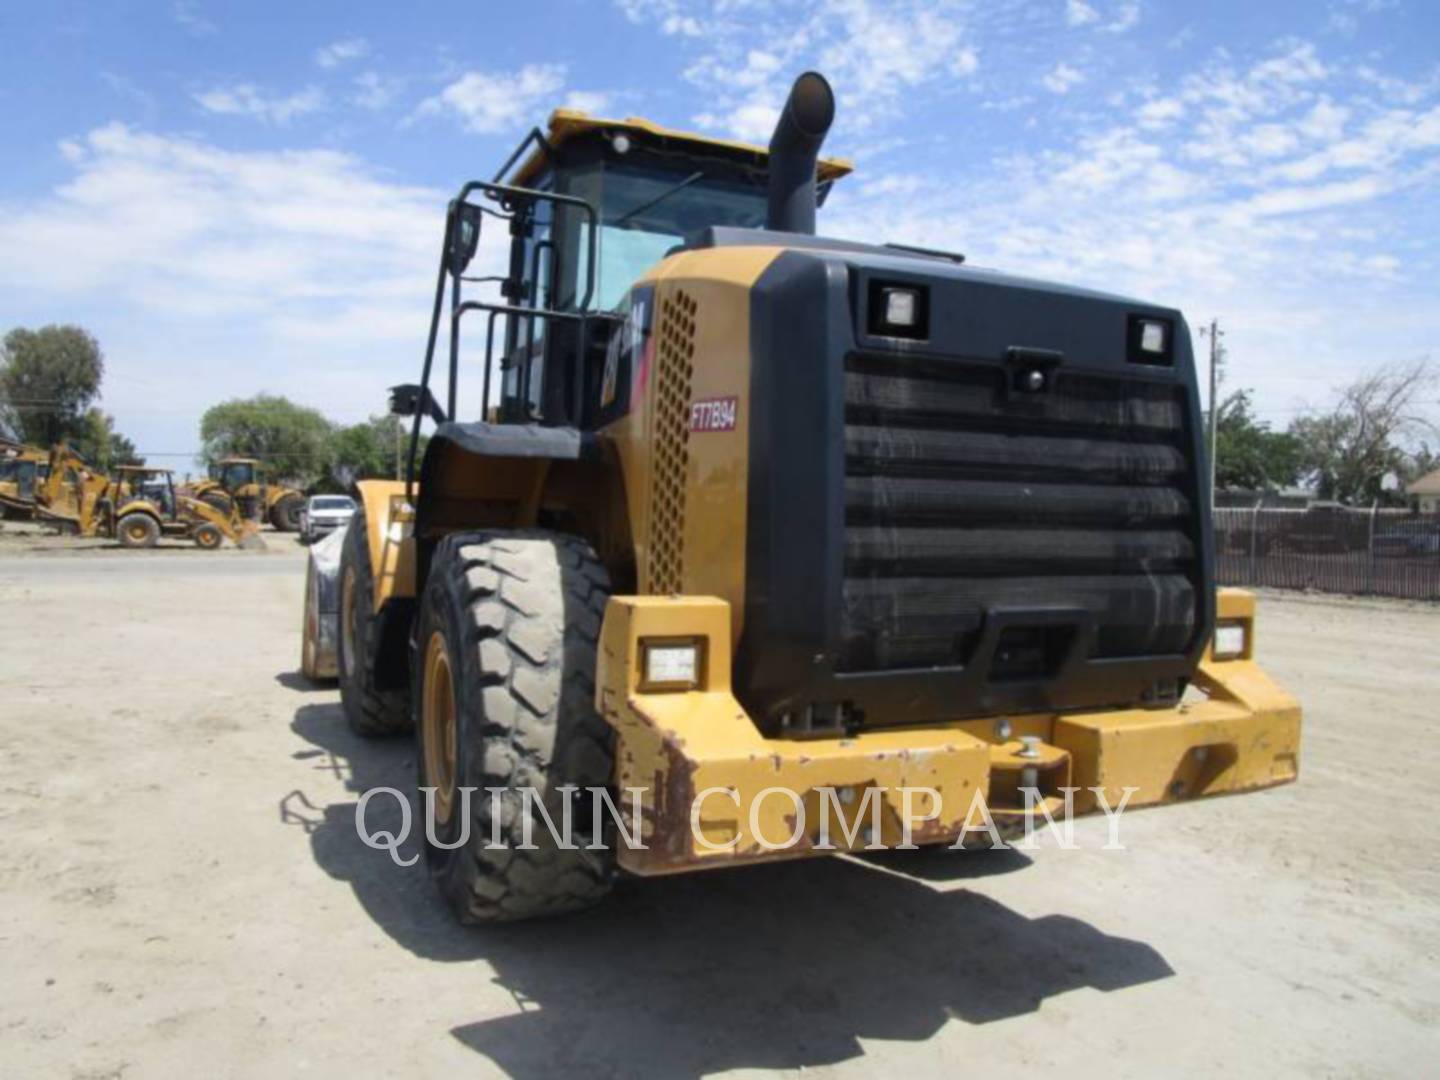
(794, 149)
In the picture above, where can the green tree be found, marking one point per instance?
(292, 441)
(48, 377)
(367, 451)
(1351, 449)
(101, 445)
(1249, 456)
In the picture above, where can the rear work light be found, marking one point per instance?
(671, 664)
(1232, 641)
(1150, 340)
(898, 310)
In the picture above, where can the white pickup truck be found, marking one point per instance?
(323, 514)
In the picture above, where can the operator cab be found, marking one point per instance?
(23, 473)
(140, 483)
(232, 475)
(612, 199)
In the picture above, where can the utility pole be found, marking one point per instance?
(1217, 356)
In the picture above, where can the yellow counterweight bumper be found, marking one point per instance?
(711, 790)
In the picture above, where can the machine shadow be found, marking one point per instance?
(779, 967)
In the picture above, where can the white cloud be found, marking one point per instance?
(342, 52)
(1079, 13)
(376, 91)
(594, 102)
(1127, 15)
(490, 103)
(212, 273)
(753, 122)
(1160, 112)
(188, 15)
(668, 16)
(1269, 140)
(875, 52)
(1062, 78)
(244, 99)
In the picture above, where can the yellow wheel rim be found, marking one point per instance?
(437, 726)
(347, 619)
(136, 531)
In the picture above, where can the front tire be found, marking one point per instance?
(370, 710)
(208, 536)
(505, 698)
(137, 531)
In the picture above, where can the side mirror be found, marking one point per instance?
(407, 399)
(465, 238)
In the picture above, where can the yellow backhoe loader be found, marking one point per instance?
(241, 482)
(71, 491)
(141, 505)
(762, 526)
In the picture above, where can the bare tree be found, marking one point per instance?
(1350, 449)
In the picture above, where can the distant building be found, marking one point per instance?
(1425, 493)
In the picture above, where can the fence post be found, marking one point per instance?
(1255, 545)
(1370, 550)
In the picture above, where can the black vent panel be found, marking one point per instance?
(964, 502)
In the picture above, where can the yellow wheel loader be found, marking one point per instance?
(760, 527)
(241, 482)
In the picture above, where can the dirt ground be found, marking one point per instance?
(182, 888)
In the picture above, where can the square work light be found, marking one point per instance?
(671, 664)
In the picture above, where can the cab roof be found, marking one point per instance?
(567, 124)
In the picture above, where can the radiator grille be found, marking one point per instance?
(674, 357)
(961, 499)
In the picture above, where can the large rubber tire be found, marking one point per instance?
(285, 514)
(370, 710)
(208, 536)
(516, 616)
(137, 531)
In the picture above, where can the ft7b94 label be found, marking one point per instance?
(714, 414)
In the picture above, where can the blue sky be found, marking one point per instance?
(245, 197)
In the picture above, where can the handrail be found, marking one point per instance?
(518, 201)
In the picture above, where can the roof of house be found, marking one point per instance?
(1429, 484)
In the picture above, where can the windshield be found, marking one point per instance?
(645, 212)
(237, 475)
(331, 502)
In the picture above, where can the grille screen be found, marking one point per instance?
(674, 356)
(960, 499)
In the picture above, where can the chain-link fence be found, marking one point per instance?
(1332, 549)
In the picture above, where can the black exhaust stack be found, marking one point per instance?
(794, 148)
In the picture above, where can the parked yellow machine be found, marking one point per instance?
(241, 481)
(71, 492)
(23, 471)
(765, 524)
(137, 506)
(141, 505)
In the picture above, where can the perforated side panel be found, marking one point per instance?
(674, 357)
